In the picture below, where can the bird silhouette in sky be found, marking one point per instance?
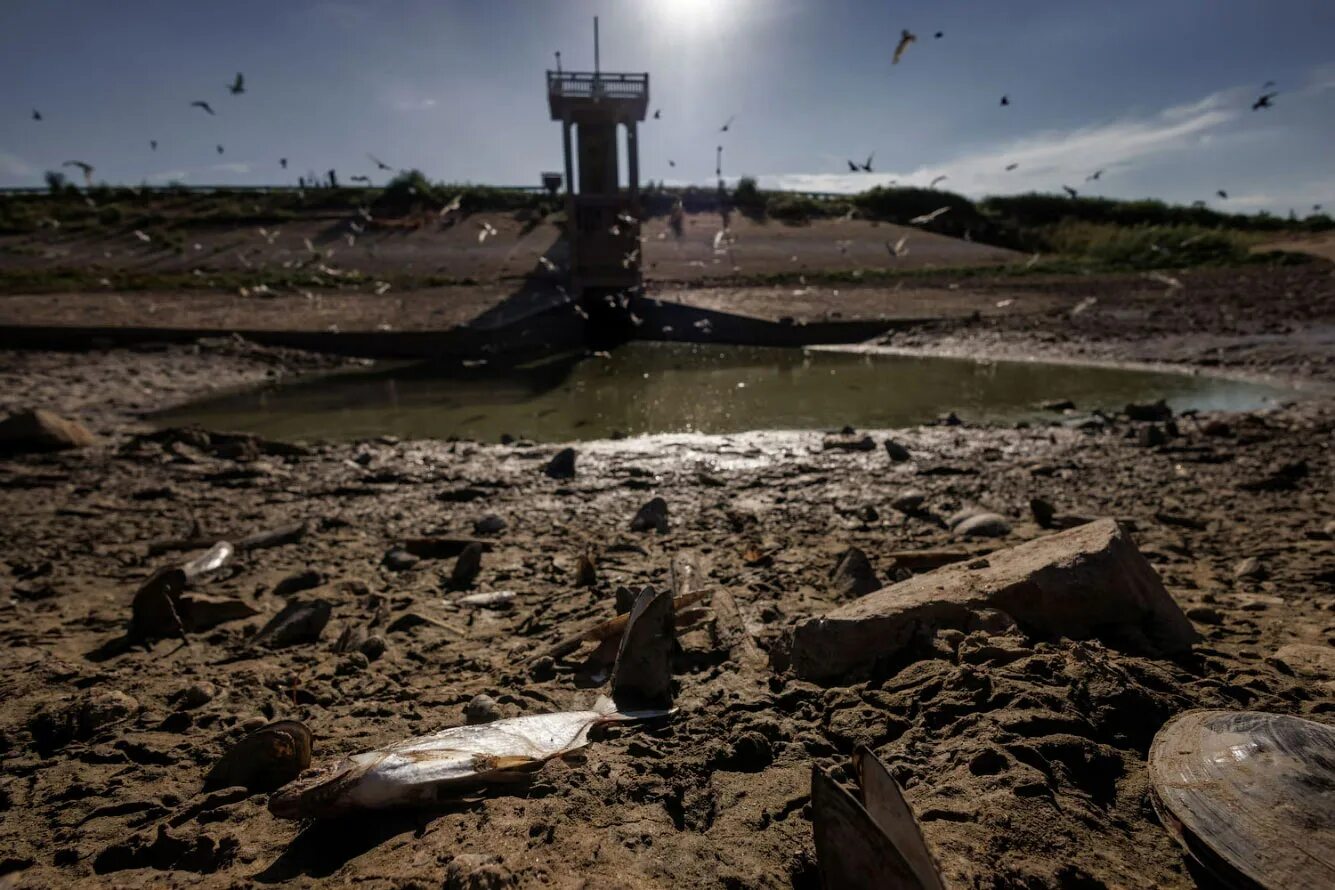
(658, 113)
(36, 115)
(365, 179)
(671, 163)
(905, 38)
(1070, 191)
(1005, 100)
(1267, 85)
(727, 124)
(237, 86)
(1011, 166)
(866, 168)
(153, 144)
(1094, 176)
(282, 162)
(1316, 208)
(379, 163)
(220, 149)
(939, 34)
(1264, 101)
(1223, 194)
(941, 178)
(86, 168)
(204, 105)
(852, 167)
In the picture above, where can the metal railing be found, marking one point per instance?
(590, 85)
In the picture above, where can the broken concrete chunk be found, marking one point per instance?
(1088, 582)
(38, 431)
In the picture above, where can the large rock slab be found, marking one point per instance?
(1086, 583)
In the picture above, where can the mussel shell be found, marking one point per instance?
(268, 758)
(1250, 795)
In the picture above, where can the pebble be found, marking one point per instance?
(1205, 615)
(491, 524)
(199, 694)
(373, 646)
(398, 560)
(984, 525)
(898, 453)
(1250, 569)
(1151, 436)
(562, 466)
(481, 709)
(307, 580)
(909, 501)
(653, 515)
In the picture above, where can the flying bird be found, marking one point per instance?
(1264, 101)
(153, 144)
(220, 149)
(238, 86)
(36, 115)
(898, 249)
(1223, 194)
(671, 163)
(928, 217)
(1316, 208)
(365, 179)
(1070, 191)
(866, 168)
(853, 167)
(940, 178)
(658, 113)
(905, 38)
(1010, 167)
(379, 163)
(86, 168)
(1005, 100)
(203, 105)
(1267, 85)
(939, 34)
(282, 162)
(1095, 175)
(728, 123)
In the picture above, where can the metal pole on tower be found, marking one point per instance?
(595, 45)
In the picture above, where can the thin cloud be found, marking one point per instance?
(1052, 157)
(13, 165)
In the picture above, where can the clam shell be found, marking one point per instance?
(1250, 795)
(268, 758)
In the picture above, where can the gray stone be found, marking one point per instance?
(562, 466)
(847, 442)
(373, 646)
(898, 453)
(854, 576)
(984, 525)
(198, 694)
(1205, 615)
(909, 501)
(653, 515)
(491, 524)
(398, 560)
(1086, 583)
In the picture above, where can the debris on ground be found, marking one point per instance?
(37, 431)
(264, 760)
(431, 769)
(642, 677)
(1250, 796)
(1088, 582)
(853, 575)
(300, 621)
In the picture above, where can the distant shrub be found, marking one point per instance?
(748, 199)
(55, 181)
(795, 208)
(1150, 246)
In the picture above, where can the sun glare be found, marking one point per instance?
(688, 16)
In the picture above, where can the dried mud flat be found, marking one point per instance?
(1024, 759)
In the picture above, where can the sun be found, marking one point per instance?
(693, 15)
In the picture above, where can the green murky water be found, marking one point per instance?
(657, 388)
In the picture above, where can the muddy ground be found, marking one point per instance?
(1025, 761)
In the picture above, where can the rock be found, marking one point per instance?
(653, 515)
(264, 760)
(491, 524)
(642, 675)
(31, 432)
(562, 466)
(1282, 478)
(1151, 436)
(477, 871)
(1086, 583)
(586, 573)
(1250, 569)
(983, 525)
(202, 611)
(542, 668)
(1149, 412)
(1306, 661)
(898, 453)
(373, 647)
(197, 695)
(466, 568)
(1058, 405)
(909, 501)
(351, 639)
(80, 718)
(464, 495)
(397, 560)
(847, 441)
(300, 621)
(625, 600)
(1043, 512)
(1205, 615)
(307, 580)
(1217, 428)
(200, 853)
(951, 419)
(481, 709)
(853, 575)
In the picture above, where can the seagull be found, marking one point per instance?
(1005, 100)
(1264, 101)
(1070, 191)
(203, 105)
(905, 38)
(898, 249)
(1223, 194)
(220, 149)
(36, 115)
(939, 34)
(671, 163)
(282, 162)
(1093, 176)
(365, 179)
(1316, 208)
(928, 217)
(86, 168)
(853, 167)
(724, 128)
(379, 163)
(1267, 85)
(658, 113)
(153, 144)
(238, 86)
(867, 166)
(1010, 167)
(940, 178)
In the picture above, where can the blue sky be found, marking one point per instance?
(1157, 94)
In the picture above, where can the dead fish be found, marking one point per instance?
(430, 769)
(496, 599)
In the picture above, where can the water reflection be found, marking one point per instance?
(647, 388)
